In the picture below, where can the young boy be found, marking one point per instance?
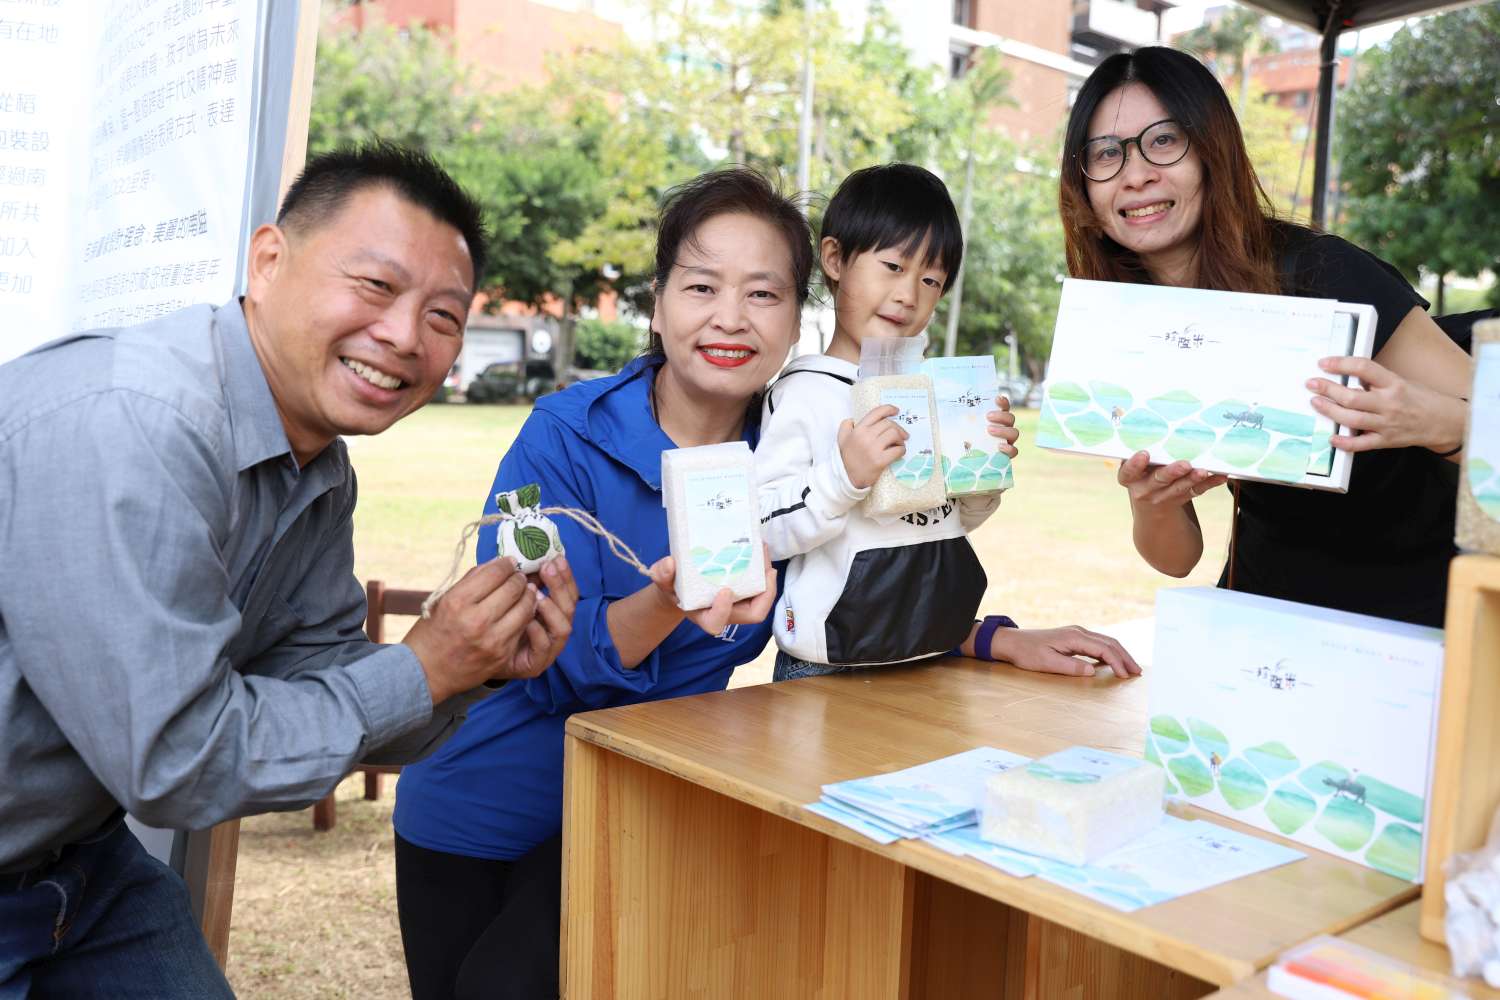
(859, 592)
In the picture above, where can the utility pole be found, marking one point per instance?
(804, 137)
(966, 208)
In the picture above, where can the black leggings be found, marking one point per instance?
(474, 928)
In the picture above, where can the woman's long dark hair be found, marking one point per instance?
(722, 192)
(1236, 239)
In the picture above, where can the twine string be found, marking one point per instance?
(585, 520)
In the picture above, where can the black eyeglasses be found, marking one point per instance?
(1162, 143)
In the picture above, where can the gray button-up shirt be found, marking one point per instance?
(180, 626)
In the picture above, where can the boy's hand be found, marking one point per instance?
(1001, 423)
(870, 445)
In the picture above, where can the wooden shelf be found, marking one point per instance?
(1466, 771)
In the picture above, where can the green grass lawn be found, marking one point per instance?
(314, 913)
(1058, 551)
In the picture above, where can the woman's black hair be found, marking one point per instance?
(896, 205)
(722, 192)
(1236, 239)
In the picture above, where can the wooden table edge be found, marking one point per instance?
(1044, 900)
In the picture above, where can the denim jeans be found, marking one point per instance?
(789, 668)
(105, 919)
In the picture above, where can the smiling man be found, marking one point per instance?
(180, 626)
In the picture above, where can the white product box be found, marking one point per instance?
(1074, 806)
(1214, 378)
(713, 522)
(1314, 724)
(1479, 492)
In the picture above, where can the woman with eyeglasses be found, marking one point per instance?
(1157, 187)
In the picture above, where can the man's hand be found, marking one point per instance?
(548, 632)
(869, 446)
(475, 631)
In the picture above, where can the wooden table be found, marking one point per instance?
(691, 868)
(1395, 934)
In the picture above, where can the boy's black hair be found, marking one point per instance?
(896, 205)
(328, 181)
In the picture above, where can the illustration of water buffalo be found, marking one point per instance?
(1246, 418)
(1346, 786)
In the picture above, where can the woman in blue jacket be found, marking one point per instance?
(478, 859)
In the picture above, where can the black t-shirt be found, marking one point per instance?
(1383, 548)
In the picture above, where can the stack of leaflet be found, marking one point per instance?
(920, 801)
(938, 803)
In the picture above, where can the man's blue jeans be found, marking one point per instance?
(105, 919)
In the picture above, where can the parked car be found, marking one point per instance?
(1019, 390)
(501, 383)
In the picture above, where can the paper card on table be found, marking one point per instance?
(1214, 378)
(930, 796)
(1314, 724)
(965, 389)
(859, 824)
(966, 841)
(1177, 858)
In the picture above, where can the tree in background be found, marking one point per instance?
(571, 173)
(1013, 261)
(608, 347)
(1227, 44)
(1279, 141)
(378, 84)
(983, 88)
(1419, 141)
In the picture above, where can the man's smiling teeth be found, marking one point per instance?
(725, 352)
(371, 375)
(1137, 213)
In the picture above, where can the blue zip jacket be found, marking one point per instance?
(494, 790)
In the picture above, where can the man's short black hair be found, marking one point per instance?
(896, 205)
(328, 181)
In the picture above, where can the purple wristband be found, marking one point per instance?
(986, 633)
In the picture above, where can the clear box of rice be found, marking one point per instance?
(890, 374)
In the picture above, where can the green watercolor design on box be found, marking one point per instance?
(1347, 824)
(1289, 809)
(1090, 428)
(1208, 738)
(1177, 405)
(726, 564)
(1240, 784)
(1067, 397)
(1192, 774)
(1287, 461)
(1110, 396)
(1049, 430)
(1141, 429)
(1169, 734)
(1187, 442)
(1273, 759)
(1397, 851)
